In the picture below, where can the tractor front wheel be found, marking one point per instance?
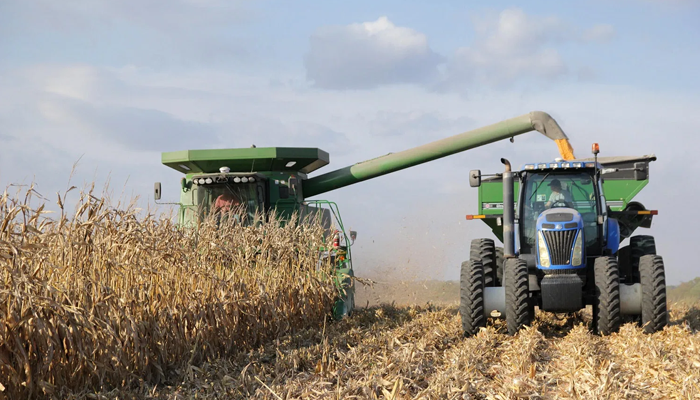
(654, 311)
(606, 307)
(518, 308)
(471, 304)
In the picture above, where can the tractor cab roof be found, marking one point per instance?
(286, 159)
(582, 163)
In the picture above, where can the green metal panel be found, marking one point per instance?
(305, 159)
(619, 192)
(491, 194)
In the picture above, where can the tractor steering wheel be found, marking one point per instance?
(561, 204)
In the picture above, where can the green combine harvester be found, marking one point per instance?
(277, 178)
(561, 223)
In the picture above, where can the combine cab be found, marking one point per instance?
(562, 245)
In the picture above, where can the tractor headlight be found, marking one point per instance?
(577, 259)
(544, 254)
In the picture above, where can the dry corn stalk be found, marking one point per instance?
(108, 298)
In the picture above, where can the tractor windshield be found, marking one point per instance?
(241, 200)
(544, 190)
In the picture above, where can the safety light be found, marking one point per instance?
(208, 181)
(544, 253)
(577, 165)
(541, 166)
(251, 179)
(577, 259)
(590, 165)
(244, 179)
(566, 165)
(237, 180)
(530, 167)
(595, 148)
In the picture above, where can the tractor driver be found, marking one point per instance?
(558, 195)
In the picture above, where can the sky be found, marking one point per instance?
(106, 86)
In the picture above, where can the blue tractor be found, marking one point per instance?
(561, 246)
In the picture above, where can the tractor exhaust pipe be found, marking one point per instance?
(508, 212)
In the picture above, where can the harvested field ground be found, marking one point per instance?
(419, 352)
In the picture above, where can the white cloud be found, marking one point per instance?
(599, 33)
(367, 55)
(514, 46)
(156, 32)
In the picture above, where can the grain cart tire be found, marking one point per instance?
(640, 245)
(471, 297)
(654, 311)
(499, 265)
(606, 306)
(518, 309)
(484, 251)
(624, 263)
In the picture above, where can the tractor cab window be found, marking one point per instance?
(238, 200)
(554, 190)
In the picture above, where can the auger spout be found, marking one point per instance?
(536, 120)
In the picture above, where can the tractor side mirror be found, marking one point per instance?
(475, 178)
(156, 191)
(640, 171)
(353, 236)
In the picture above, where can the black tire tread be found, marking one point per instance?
(606, 313)
(484, 251)
(654, 308)
(518, 310)
(499, 265)
(471, 304)
(640, 245)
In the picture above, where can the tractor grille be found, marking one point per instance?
(560, 244)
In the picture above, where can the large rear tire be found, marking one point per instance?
(606, 306)
(471, 304)
(519, 313)
(484, 251)
(640, 246)
(654, 309)
(500, 259)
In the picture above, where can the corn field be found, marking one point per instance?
(107, 297)
(115, 303)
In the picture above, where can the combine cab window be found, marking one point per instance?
(553, 190)
(219, 199)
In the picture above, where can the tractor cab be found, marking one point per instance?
(560, 199)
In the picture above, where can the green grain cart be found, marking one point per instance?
(276, 178)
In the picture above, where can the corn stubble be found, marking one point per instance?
(109, 298)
